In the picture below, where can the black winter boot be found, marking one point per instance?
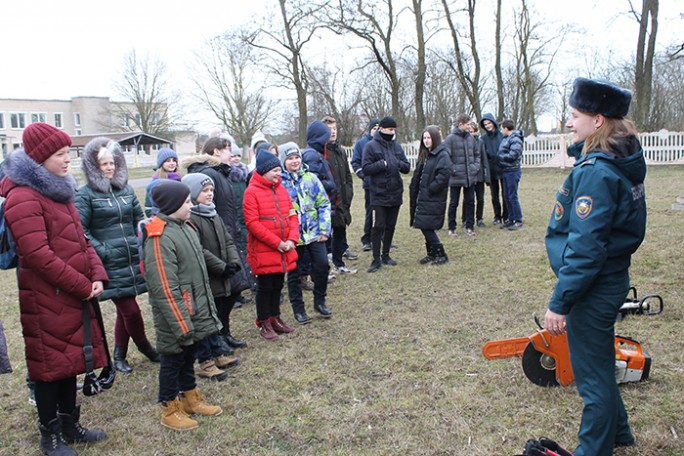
(430, 254)
(148, 350)
(51, 440)
(233, 342)
(440, 256)
(73, 432)
(120, 362)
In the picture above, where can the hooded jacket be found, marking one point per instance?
(465, 155)
(598, 221)
(383, 160)
(57, 267)
(270, 219)
(510, 151)
(317, 136)
(343, 182)
(429, 189)
(110, 213)
(492, 141)
(311, 203)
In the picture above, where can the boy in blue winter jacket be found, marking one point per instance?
(508, 159)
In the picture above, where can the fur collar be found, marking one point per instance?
(92, 173)
(201, 159)
(23, 171)
(239, 173)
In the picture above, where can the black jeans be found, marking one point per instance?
(211, 347)
(500, 210)
(368, 222)
(384, 222)
(53, 397)
(176, 373)
(468, 202)
(339, 245)
(269, 288)
(319, 275)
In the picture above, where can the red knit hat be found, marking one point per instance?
(41, 140)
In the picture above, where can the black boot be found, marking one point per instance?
(73, 432)
(148, 350)
(430, 254)
(233, 342)
(120, 362)
(51, 440)
(440, 256)
(323, 310)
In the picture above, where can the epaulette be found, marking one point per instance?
(155, 227)
(589, 161)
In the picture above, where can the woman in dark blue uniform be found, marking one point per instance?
(598, 222)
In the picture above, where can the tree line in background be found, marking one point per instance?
(422, 61)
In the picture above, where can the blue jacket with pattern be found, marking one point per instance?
(311, 203)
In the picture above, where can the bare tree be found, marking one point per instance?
(497, 63)
(227, 72)
(421, 69)
(148, 104)
(645, 52)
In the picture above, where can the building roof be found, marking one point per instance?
(128, 138)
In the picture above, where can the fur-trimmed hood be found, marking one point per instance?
(21, 170)
(91, 166)
(201, 159)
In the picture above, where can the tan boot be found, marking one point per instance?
(193, 402)
(226, 362)
(173, 417)
(209, 370)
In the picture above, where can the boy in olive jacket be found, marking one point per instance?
(182, 303)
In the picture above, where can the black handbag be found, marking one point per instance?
(94, 384)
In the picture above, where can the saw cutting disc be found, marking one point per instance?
(538, 367)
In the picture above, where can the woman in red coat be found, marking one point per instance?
(272, 237)
(58, 271)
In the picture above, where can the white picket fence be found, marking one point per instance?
(660, 148)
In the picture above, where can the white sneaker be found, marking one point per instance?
(344, 270)
(331, 277)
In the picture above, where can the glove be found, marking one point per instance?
(230, 270)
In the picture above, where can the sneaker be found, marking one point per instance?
(497, 221)
(209, 371)
(329, 257)
(394, 246)
(515, 226)
(386, 259)
(344, 270)
(366, 247)
(348, 254)
(307, 284)
(453, 233)
(375, 265)
(331, 277)
(470, 232)
(481, 223)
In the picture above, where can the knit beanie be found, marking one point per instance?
(257, 138)
(594, 96)
(287, 149)
(374, 122)
(196, 182)
(169, 195)
(388, 122)
(41, 140)
(265, 162)
(164, 154)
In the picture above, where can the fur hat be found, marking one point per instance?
(169, 195)
(196, 182)
(594, 96)
(374, 122)
(265, 162)
(41, 140)
(388, 122)
(164, 154)
(287, 149)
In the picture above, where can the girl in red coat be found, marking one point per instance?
(272, 237)
(58, 271)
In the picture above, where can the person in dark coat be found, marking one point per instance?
(429, 188)
(492, 138)
(357, 166)
(465, 156)
(383, 161)
(481, 181)
(598, 222)
(110, 213)
(59, 273)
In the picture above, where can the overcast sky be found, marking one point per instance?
(60, 49)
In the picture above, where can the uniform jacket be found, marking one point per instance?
(311, 203)
(110, 213)
(465, 155)
(270, 219)
(598, 222)
(429, 188)
(218, 248)
(317, 135)
(382, 162)
(178, 284)
(57, 267)
(343, 182)
(492, 141)
(510, 151)
(357, 158)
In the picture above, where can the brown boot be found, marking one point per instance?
(192, 402)
(209, 370)
(266, 330)
(280, 327)
(173, 417)
(226, 362)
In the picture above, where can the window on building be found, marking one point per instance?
(58, 120)
(77, 119)
(2, 120)
(77, 132)
(123, 121)
(17, 120)
(38, 117)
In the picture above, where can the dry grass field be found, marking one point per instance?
(398, 370)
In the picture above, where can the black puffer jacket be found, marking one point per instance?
(510, 151)
(465, 156)
(429, 189)
(492, 141)
(382, 162)
(110, 212)
(343, 183)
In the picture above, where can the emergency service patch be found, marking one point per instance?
(563, 191)
(583, 206)
(558, 211)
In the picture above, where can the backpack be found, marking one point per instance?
(8, 249)
(142, 235)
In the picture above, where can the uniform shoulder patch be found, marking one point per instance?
(583, 206)
(558, 211)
